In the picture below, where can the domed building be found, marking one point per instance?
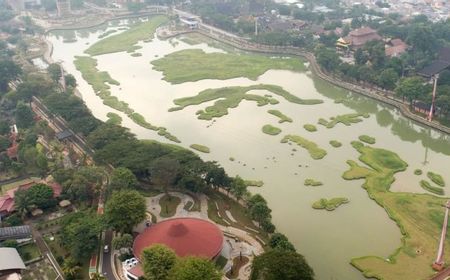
(186, 236)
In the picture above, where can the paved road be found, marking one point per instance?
(107, 266)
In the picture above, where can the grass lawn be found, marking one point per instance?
(314, 151)
(271, 130)
(200, 148)
(231, 97)
(346, 119)
(194, 64)
(29, 252)
(419, 217)
(127, 40)
(330, 204)
(169, 205)
(283, 118)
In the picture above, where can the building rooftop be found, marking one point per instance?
(16, 232)
(10, 259)
(186, 236)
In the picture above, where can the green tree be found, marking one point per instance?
(54, 70)
(70, 80)
(328, 59)
(360, 56)
(278, 264)
(70, 268)
(9, 71)
(81, 237)
(123, 178)
(4, 127)
(41, 195)
(411, 88)
(124, 241)
(157, 262)
(163, 171)
(124, 210)
(260, 212)
(4, 143)
(281, 242)
(194, 268)
(238, 187)
(23, 116)
(388, 78)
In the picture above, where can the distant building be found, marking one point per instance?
(359, 37)
(395, 48)
(190, 22)
(63, 7)
(11, 264)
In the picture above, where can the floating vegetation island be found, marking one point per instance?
(231, 97)
(436, 178)
(200, 148)
(310, 127)
(283, 118)
(432, 189)
(271, 130)
(367, 139)
(418, 172)
(314, 151)
(312, 183)
(419, 216)
(330, 204)
(347, 119)
(101, 83)
(193, 65)
(335, 143)
(254, 183)
(127, 40)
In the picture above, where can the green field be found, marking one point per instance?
(200, 148)
(419, 217)
(101, 81)
(282, 117)
(127, 40)
(231, 97)
(194, 64)
(346, 119)
(271, 130)
(314, 151)
(169, 205)
(330, 204)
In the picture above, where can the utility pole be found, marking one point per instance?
(430, 115)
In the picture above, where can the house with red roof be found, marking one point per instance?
(7, 200)
(359, 37)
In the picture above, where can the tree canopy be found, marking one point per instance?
(157, 261)
(124, 210)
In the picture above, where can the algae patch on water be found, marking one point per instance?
(282, 117)
(330, 204)
(200, 148)
(346, 119)
(231, 97)
(271, 130)
(194, 64)
(313, 149)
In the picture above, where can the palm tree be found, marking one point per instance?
(70, 268)
(97, 276)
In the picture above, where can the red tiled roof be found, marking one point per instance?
(137, 271)
(186, 236)
(359, 37)
(395, 50)
(13, 150)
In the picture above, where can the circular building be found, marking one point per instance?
(186, 236)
